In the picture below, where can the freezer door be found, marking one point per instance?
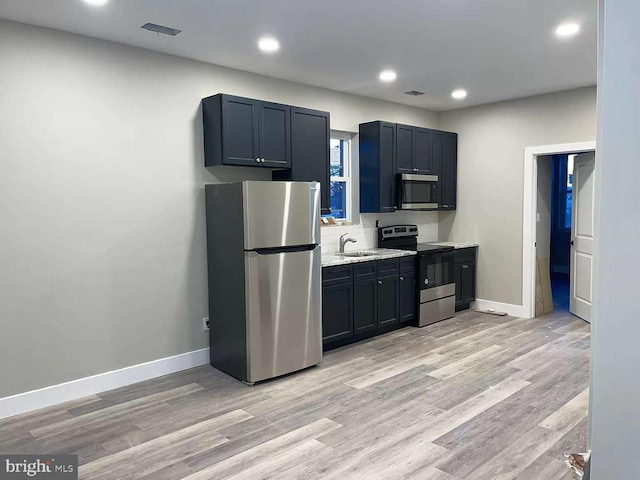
(284, 312)
(280, 214)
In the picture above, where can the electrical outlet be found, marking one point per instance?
(205, 324)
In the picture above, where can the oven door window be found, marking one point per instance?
(436, 270)
(419, 192)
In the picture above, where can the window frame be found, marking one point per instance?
(347, 171)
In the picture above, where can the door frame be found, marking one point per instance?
(530, 208)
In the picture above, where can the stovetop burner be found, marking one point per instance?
(405, 237)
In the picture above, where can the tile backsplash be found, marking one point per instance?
(366, 232)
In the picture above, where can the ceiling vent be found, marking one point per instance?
(152, 27)
(414, 93)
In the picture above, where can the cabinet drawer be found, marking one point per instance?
(389, 267)
(365, 270)
(337, 275)
(407, 264)
(465, 255)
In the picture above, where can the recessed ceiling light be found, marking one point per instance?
(96, 3)
(268, 44)
(459, 94)
(567, 29)
(388, 75)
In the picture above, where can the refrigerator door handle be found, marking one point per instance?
(277, 250)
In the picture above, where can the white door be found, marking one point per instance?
(582, 235)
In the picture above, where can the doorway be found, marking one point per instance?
(558, 229)
(564, 218)
(560, 246)
(553, 233)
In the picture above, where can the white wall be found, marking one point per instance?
(492, 139)
(366, 232)
(615, 355)
(102, 239)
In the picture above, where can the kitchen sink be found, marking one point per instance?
(359, 254)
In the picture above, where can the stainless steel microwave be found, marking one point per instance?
(417, 192)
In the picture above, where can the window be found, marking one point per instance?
(340, 175)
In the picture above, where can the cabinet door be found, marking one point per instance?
(387, 167)
(468, 283)
(458, 279)
(388, 293)
(423, 151)
(405, 149)
(365, 306)
(446, 156)
(274, 126)
(408, 297)
(240, 131)
(310, 133)
(337, 312)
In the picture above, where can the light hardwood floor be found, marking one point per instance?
(475, 397)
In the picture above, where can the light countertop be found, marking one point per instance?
(333, 259)
(455, 245)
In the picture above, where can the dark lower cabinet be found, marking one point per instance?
(388, 300)
(465, 277)
(407, 297)
(365, 305)
(337, 312)
(379, 302)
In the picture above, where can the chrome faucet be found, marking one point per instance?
(344, 241)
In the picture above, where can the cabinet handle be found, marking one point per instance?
(263, 160)
(465, 266)
(258, 160)
(379, 282)
(401, 278)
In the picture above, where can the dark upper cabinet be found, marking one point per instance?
(273, 129)
(337, 311)
(387, 301)
(423, 151)
(245, 132)
(407, 297)
(414, 150)
(377, 142)
(310, 135)
(365, 305)
(445, 163)
(465, 277)
(405, 149)
(388, 149)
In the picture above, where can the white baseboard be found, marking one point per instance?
(513, 310)
(82, 387)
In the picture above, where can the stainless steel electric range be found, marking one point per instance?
(435, 269)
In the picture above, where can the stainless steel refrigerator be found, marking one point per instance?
(265, 297)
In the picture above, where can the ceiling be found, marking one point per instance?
(496, 49)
